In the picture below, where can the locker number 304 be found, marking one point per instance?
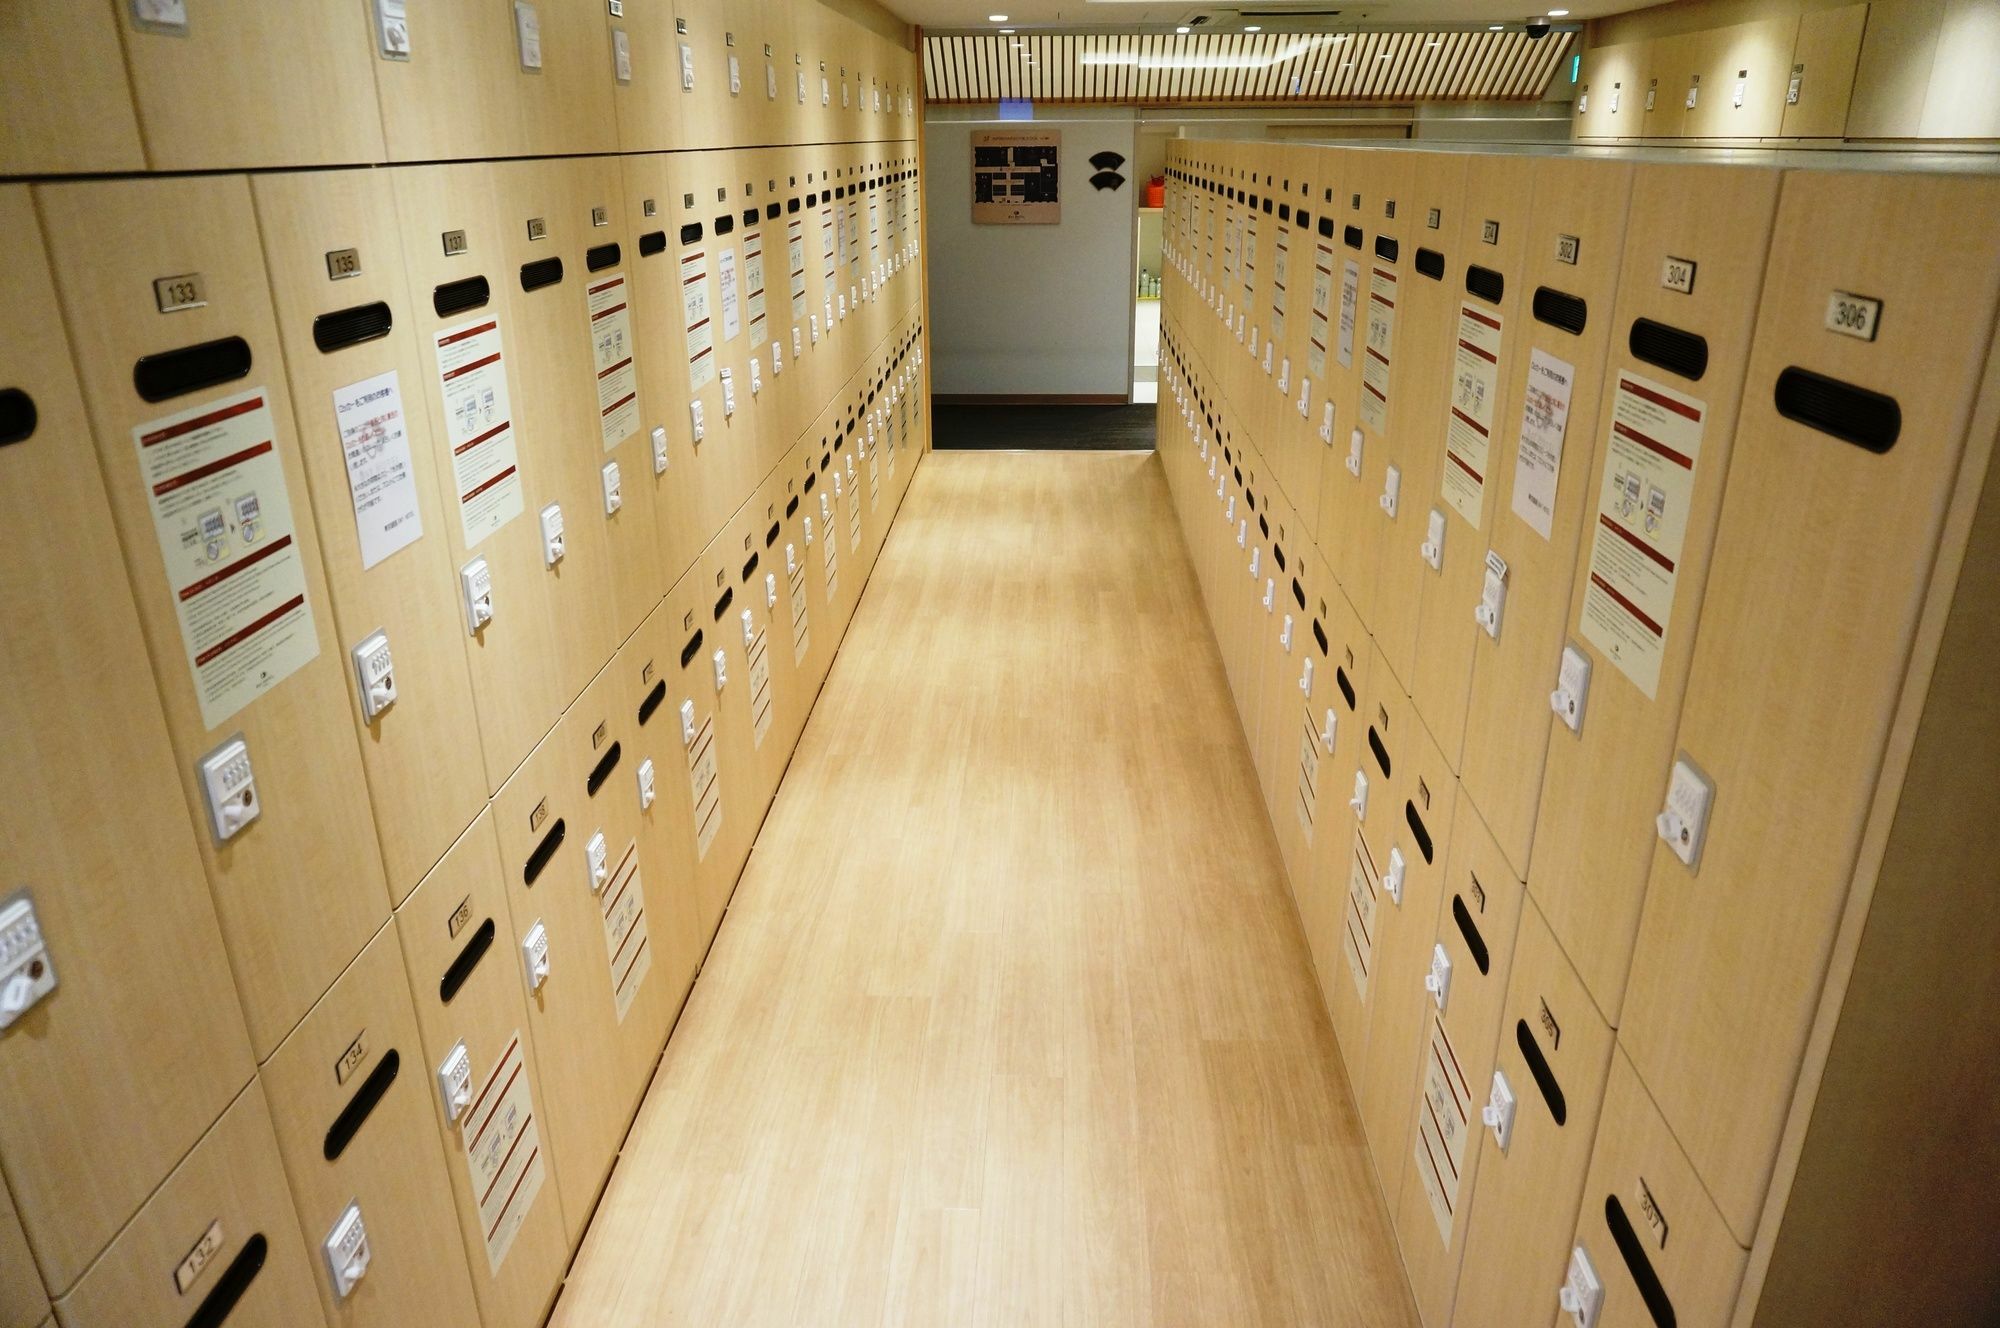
(1852, 315)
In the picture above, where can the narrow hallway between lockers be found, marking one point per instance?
(1011, 1019)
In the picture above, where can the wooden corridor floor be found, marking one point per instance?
(1011, 1020)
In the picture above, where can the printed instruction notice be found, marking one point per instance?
(694, 316)
(829, 547)
(1310, 753)
(626, 945)
(1441, 1127)
(1281, 252)
(1381, 337)
(1544, 415)
(761, 698)
(611, 352)
(753, 281)
(224, 520)
(480, 427)
(705, 787)
(795, 254)
(801, 623)
(1350, 305)
(1322, 306)
(826, 244)
(1642, 512)
(732, 302)
(373, 439)
(1475, 388)
(503, 1152)
(1359, 942)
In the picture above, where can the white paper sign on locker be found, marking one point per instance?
(1475, 390)
(1382, 296)
(1322, 308)
(1311, 754)
(1642, 512)
(705, 786)
(732, 306)
(611, 355)
(795, 253)
(1280, 264)
(762, 699)
(216, 487)
(694, 315)
(503, 1152)
(376, 444)
(795, 576)
(1362, 892)
(472, 378)
(626, 945)
(753, 281)
(1537, 464)
(1442, 1128)
(1350, 306)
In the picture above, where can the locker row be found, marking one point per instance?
(355, 687)
(182, 85)
(1595, 745)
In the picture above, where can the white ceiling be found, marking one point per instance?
(1150, 15)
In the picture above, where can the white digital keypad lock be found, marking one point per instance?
(778, 357)
(1285, 375)
(346, 1250)
(660, 449)
(614, 493)
(1305, 675)
(475, 583)
(535, 955)
(1305, 404)
(1285, 636)
(771, 587)
(809, 532)
(1270, 595)
(798, 346)
(1359, 802)
(826, 506)
(26, 972)
(695, 419)
(1438, 981)
(1255, 556)
(552, 534)
(230, 788)
(749, 629)
(728, 393)
(1392, 491)
(1267, 357)
(1498, 1113)
(721, 661)
(1326, 424)
(597, 861)
(454, 1077)
(648, 784)
(1355, 441)
(1432, 548)
(1392, 879)
(1683, 823)
(688, 726)
(374, 676)
(1492, 595)
(1242, 532)
(1582, 1294)
(1572, 688)
(792, 558)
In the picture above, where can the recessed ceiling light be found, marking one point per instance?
(1007, 32)
(1182, 31)
(996, 18)
(1558, 13)
(1252, 27)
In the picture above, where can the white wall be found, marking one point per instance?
(1031, 310)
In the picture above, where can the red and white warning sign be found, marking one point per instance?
(503, 1152)
(479, 424)
(611, 356)
(216, 487)
(1441, 1128)
(626, 945)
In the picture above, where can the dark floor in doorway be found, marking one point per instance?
(1044, 428)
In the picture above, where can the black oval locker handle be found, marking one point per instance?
(362, 1105)
(467, 959)
(229, 1289)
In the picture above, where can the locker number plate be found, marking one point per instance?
(342, 263)
(189, 291)
(1677, 274)
(1852, 315)
(1566, 249)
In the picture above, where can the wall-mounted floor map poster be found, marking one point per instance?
(1014, 177)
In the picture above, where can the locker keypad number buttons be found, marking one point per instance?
(1572, 688)
(1492, 596)
(230, 787)
(375, 676)
(1498, 1113)
(1433, 546)
(1392, 491)
(475, 580)
(26, 975)
(535, 955)
(1582, 1295)
(660, 450)
(1684, 821)
(455, 1081)
(597, 858)
(647, 786)
(1438, 981)
(552, 534)
(1359, 802)
(1392, 880)
(346, 1250)
(1354, 442)
(614, 496)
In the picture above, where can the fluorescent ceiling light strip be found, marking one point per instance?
(1290, 51)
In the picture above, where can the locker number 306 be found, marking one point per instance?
(1852, 315)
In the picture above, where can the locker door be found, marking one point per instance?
(646, 79)
(223, 552)
(708, 260)
(23, 1303)
(788, 260)
(499, 476)
(744, 698)
(1331, 735)
(777, 689)
(127, 918)
(66, 105)
(757, 395)
(1274, 653)
(717, 85)
(823, 528)
(544, 216)
(812, 640)
(1463, 506)
(701, 749)
(1807, 521)
(645, 669)
(772, 103)
(1674, 72)
(1477, 919)
(1647, 1227)
(1676, 382)
(356, 1132)
(1540, 498)
(1744, 79)
(219, 1239)
(463, 90)
(228, 87)
(1554, 1051)
(1243, 582)
(1313, 304)
(336, 261)
(1355, 871)
(1823, 61)
(1427, 316)
(457, 948)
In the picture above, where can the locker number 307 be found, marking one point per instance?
(1852, 315)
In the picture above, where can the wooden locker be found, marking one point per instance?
(23, 1302)
(1478, 915)
(247, 84)
(457, 948)
(1488, 357)
(335, 256)
(1656, 1243)
(476, 85)
(1960, 101)
(759, 232)
(1807, 522)
(355, 1130)
(1593, 81)
(1311, 310)
(545, 212)
(768, 588)
(1240, 587)
(299, 888)
(699, 772)
(646, 93)
(798, 591)
(768, 86)
(1625, 105)
(822, 529)
(121, 901)
(1678, 350)
(219, 1240)
(1823, 61)
(459, 299)
(1892, 76)
(1355, 867)
(66, 105)
(785, 403)
(1575, 243)
(1414, 839)
(1428, 317)
(1329, 736)
(746, 701)
(704, 222)
(1755, 57)
(1279, 626)
(1554, 1051)
(1252, 293)
(716, 85)
(1675, 69)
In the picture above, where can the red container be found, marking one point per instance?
(1156, 191)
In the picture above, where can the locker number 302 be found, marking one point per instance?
(1852, 315)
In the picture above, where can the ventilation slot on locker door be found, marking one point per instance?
(351, 327)
(770, 536)
(1319, 635)
(220, 1302)
(602, 770)
(600, 256)
(1658, 1304)
(1386, 249)
(791, 206)
(1284, 212)
(1278, 553)
(1561, 309)
(792, 507)
(1351, 237)
(652, 702)
(1381, 752)
(18, 416)
(1538, 1066)
(1484, 282)
(1417, 827)
(749, 216)
(544, 851)
(455, 297)
(770, 212)
(691, 233)
(356, 1113)
(175, 373)
(692, 648)
(1431, 263)
(1852, 414)
(1346, 687)
(722, 604)
(812, 200)
(1683, 353)
(1298, 594)
(652, 242)
(467, 960)
(1326, 227)
(1474, 942)
(1304, 221)
(542, 272)
(750, 564)
(725, 224)
(812, 477)
(1263, 526)
(1267, 207)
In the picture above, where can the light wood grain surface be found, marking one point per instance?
(1011, 1019)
